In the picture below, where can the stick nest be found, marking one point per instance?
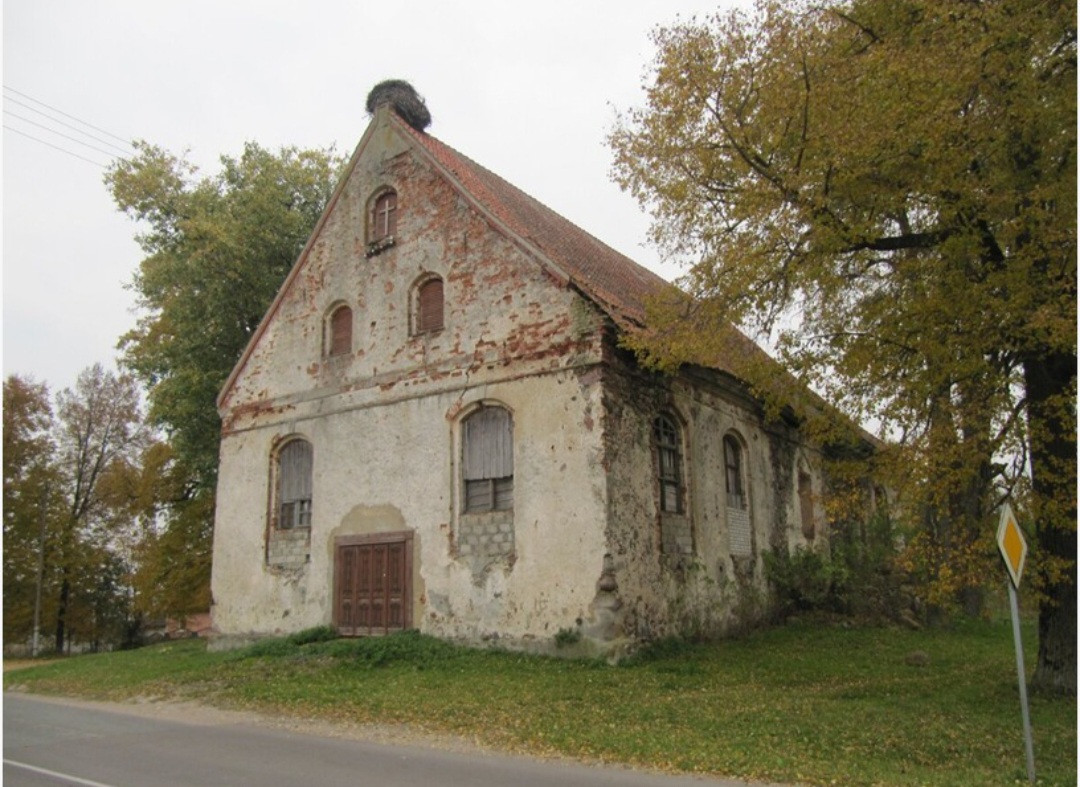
(403, 99)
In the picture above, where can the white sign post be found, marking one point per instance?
(1013, 547)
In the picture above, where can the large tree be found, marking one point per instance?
(29, 477)
(67, 545)
(217, 250)
(887, 189)
(99, 427)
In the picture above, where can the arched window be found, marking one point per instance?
(293, 487)
(733, 473)
(339, 331)
(668, 463)
(806, 505)
(428, 306)
(487, 460)
(382, 223)
(740, 531)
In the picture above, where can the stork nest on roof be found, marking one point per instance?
(403, 99)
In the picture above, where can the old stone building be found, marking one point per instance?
(434, 428)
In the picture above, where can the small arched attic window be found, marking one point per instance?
(339, 325)
(428, 305)
(381, 220)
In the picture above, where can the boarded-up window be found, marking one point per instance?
(488, 460)
(668, 459)
(341, 331)
(733, 473)
(294, 484)
(384, 216)
(429, 306)
(806, 505)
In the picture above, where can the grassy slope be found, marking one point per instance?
(815, 705)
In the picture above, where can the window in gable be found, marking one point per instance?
(339, 331)
(668, 461)
(488, 460)
(384, 215)
(382, 221)
(294, 462)
(428, 306)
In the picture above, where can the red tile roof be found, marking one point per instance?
(614, 281)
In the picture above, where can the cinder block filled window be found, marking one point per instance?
(668, 463)
(294, 461)
(488, 460)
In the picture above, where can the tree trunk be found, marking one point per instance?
(61, 614)
(1051, 392)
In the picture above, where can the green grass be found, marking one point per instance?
(805, 704)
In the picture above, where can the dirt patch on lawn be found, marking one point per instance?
(14, 664)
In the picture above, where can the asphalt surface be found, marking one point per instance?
(55, 742)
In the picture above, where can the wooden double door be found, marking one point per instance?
(373, 583)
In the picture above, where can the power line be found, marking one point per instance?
(57, 147)
(124, 151)
(65, 114)
(60, 134)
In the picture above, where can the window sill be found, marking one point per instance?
(379, 246)
(492, 517)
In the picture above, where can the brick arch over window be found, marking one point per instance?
(338, 330)
(428, 305)
(292, 471)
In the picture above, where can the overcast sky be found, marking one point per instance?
(529, 90)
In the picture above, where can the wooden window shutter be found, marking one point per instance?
(429, 308)
(488, 460)
(489, 444)
(341, 331)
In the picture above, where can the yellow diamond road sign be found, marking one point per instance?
(1010, 541)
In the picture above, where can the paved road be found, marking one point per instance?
(50, 742)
